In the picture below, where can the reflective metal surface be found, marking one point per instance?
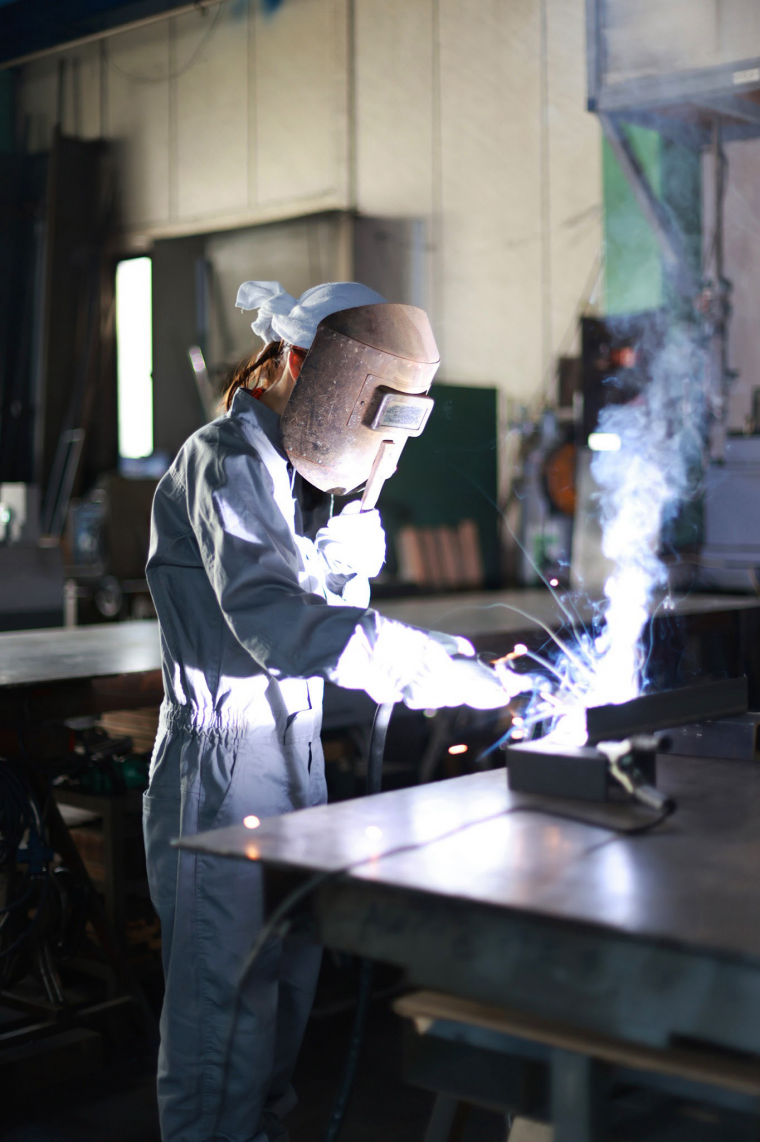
(692, 882)
(36, 657)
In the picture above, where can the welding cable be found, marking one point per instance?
(15, 806)
(617, 833)
(376, 749)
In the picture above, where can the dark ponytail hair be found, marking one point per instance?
(258, 371)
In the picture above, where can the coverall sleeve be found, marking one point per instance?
(250, 555)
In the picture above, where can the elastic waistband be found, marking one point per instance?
(197, 720)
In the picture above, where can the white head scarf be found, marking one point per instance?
(283, 318)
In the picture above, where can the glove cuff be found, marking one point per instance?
(382, 657)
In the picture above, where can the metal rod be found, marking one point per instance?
(706, 701)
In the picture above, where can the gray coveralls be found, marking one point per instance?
(247, 636)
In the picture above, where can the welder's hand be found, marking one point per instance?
(353, 542)
(510, 681)
(452, 643)
(442, 679)
(394, 662)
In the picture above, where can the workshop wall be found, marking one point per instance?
(205, 107)
(479, 126)
(400, 108)
(742, 268)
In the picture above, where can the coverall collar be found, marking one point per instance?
(262, 419)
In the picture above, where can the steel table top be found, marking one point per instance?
(693, 881)
(38, 657)
(515, 612)
(499, 898)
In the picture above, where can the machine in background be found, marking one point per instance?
(107, 539)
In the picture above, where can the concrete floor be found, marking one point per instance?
(119, 1105)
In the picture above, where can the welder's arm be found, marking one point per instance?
(251, 559)
(424, 669)
(352, 549)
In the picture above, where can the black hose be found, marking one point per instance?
(375, 754)
(376, 750)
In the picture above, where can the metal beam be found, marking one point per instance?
(704, 702)
(666, 229)
(731, 107)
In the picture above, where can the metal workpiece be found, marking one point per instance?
(582, 773)
(703, 701)
(578, 772)
(735, 738)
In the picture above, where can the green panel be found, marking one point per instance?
(449, 473)
(681, 179)
(633, 267)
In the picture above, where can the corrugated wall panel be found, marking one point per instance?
(300, 99)
(221, 117)
(573, 174)
(501, 160)
(490, 230)
(394, 107)
(212, 113)
(138, 103)
(468, 116)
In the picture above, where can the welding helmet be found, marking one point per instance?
(361, 393)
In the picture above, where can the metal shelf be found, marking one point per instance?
(681, 102)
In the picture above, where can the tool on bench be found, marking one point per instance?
(623, 743)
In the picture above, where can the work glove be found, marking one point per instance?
(451, 674)
(426, 670)
(353, 542)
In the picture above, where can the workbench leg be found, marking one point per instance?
(577, 1097)
(446, 1121)
(62, 841)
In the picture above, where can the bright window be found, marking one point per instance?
(134, 357)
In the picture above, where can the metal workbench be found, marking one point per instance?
(61, 673)
(491, 896)
(48, 657)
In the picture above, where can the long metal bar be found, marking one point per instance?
(666, 229)
(706, 701)
(732, 106)
(740, 77)
(594, 53)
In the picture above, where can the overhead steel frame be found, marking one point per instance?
(700, 108)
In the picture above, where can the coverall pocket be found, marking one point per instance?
(161, 825)
(220, 762)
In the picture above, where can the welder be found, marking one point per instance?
(257, 606)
